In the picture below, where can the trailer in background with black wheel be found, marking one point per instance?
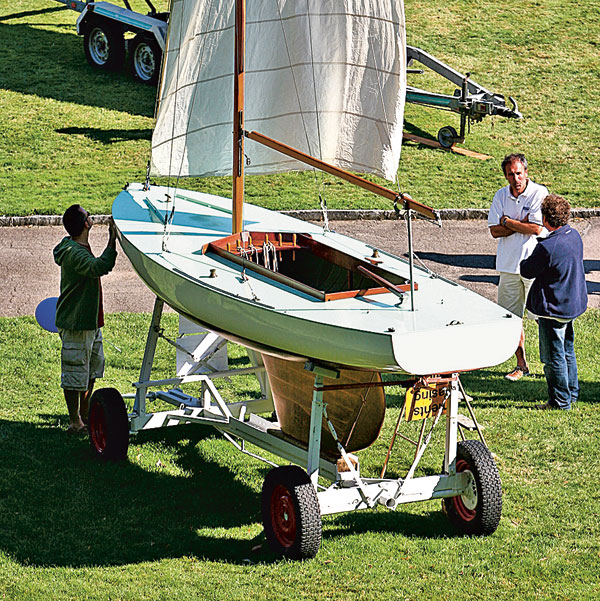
(116, 36)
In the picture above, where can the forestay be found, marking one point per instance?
(325, 77)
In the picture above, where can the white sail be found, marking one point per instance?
(327, 77)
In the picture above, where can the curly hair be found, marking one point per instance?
(556, 210)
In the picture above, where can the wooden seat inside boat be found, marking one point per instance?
(307, 265)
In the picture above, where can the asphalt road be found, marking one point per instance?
(462, 251)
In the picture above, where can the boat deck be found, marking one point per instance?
(189, 264)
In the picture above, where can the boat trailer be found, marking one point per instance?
(471, 100)
(293, 496)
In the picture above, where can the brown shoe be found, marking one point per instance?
(517, 373)
(545, 407)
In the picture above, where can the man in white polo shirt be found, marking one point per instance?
(515, 220)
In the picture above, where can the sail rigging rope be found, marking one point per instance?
(266, 259)
(324, 209)
(314, 81)
(380, 88)
(317, 175)
(199, 62)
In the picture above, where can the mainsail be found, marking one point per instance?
(325, 77)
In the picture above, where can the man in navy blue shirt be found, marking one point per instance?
(557, 296)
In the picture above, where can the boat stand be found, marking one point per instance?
(296, 496)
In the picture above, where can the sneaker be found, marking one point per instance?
(517, 373)
(545, 407)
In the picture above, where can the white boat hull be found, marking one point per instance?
(451, 329)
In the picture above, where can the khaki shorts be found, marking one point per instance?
(512, 292)
(81, 358)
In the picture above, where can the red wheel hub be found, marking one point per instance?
(466, 513)
(97, 422)
(283, 516)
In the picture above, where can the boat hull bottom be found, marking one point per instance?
(356, 414)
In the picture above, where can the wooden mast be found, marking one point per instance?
(239, 133)
(238, 116)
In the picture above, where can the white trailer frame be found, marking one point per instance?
(103, 26)
(240, 423)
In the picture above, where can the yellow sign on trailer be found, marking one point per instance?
(424, 400)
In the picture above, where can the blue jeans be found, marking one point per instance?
(557, 353)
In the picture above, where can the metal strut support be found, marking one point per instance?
(451, 427)
(465, 397)
(316, 418)
(354, 474)
(411, 260)
(139, 407)
(451, 404)
(314, 441)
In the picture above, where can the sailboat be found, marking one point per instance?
(303, 85)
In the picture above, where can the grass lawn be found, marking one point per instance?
(70, 134)
(180, 519)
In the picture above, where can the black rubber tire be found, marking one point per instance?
(145, 56)
(447, 136)
(291, 513)
(108, 425)
(478, 511)
(104, 45)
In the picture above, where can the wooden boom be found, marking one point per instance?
(407, 201)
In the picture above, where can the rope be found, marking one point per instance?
(246, 255)
(274, 262)
(380, 87)
(169, 219)
(317, 175)
(325, 216)
(312, 64)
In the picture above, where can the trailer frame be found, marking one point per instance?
(295, 497)
(470, 100)
(104, 25)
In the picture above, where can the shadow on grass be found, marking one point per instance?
(411, 128)
(31, 13)
(491, 389)
(53, 65)
(430, 526)
(59, 506)
(108, 136)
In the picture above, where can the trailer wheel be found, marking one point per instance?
(108, 425)
(447, 136)
(477, 511)
(144, 59)
(290, 512)
(104, 45)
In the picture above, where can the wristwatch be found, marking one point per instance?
(503, 221)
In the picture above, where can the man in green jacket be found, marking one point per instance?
(79, 312)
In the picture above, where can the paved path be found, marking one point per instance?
(462, 251)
